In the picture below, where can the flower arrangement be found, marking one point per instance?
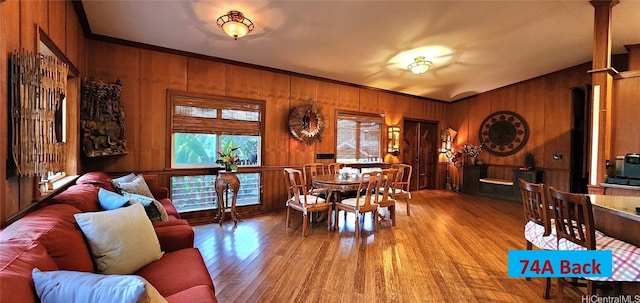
(471, 150)
(229, 158)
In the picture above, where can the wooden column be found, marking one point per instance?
(602, 80)
(634, 56)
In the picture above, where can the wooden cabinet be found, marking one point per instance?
(533, 176)
(470, 176)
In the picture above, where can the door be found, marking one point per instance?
(578, 170)
(419, 149)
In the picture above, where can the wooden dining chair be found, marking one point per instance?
(538, 228)
(310, 170)
(387, 178)
(364, 202)
(304, 200)
(401, 185)
(576, 231)
(333, 168)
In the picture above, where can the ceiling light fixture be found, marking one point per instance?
(235, 24)
(419, 65)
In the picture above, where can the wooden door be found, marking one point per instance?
(419, 149)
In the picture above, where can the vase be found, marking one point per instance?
(473, 160)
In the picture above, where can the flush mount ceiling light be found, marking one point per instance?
(420, 65)
(235, 24)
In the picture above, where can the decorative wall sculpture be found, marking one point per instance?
(504, 133)
(36, 93)
(102, 119)
(306, 122)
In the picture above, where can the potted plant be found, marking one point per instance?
(528, 161)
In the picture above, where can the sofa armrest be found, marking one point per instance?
(160, 192)
(175, 237)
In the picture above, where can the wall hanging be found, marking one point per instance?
(306, 122)
(503, 133)
(102, 119)
(37, 91)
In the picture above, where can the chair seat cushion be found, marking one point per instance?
(354, 201)
(311, 199)
(534, 233)
(626, 257)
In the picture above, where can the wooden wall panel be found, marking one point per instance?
(328, 97)
(206, 77)
(110, 62)
(557, 122)
(243, 82)
(274, 191)
(533, 111)
(369, 101)
(625, 116)
(73, 35)
(57, 23)
(275, 90)
(159, 72)
(32, 14)
(349, 98)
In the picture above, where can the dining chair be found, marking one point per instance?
(310, 170)
(304, 200)
(364, 202)
(576, 231)
(388, 176)
(333, 168)
(402, 183)
(539, 230)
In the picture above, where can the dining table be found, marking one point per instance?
(337, 185)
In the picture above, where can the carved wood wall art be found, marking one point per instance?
(306, 122)
(102, 119)
(503, 133)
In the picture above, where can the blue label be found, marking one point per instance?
(560, 263)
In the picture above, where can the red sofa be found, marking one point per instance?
(50, 239)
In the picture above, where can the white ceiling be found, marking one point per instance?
(475, 46)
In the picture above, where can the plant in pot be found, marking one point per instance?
(528, 161)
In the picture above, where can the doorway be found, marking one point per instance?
(578, 168)
(420, 150)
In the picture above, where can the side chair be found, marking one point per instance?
(310, 170)
(304, 200)
(388, 176)
(333, 168)
(539, 230)
(402, 183)
(576, 231)
(364, 202)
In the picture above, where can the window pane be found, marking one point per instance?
(242, 115)
(358, 139)
(249, 148)
(192, 150)
(193, 111)
(191, 193)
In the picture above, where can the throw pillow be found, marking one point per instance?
(82, 287)
(155, 210)
(136, 186)
(126, 178)
(109, 200)
(121, 240)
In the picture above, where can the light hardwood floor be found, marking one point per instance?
(453, 248)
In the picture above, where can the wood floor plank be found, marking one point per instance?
(452, 248)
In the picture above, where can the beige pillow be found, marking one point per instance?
(121, 240)
(136, 186)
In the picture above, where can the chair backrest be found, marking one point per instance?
(333, 168)
(403, 178)
(387, 183)
(536, 206)
(574, 217)
(295, 187)
(369, 184)
(311, 170)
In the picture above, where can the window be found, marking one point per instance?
(202, 126)
(359, 138)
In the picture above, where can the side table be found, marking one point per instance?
(224, 182)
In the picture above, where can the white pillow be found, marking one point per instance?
(136, 186)
(121, 240)
(149, 203)
(81, 287)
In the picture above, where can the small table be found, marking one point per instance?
(224, 182)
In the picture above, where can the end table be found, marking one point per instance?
(224, 182)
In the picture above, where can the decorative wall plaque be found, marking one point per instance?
(102, 119)
(504, 133)
(306, 122)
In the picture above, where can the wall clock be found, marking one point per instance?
(503, 133)
(306, 123)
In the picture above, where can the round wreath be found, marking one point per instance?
(306, 123)
(504, 133)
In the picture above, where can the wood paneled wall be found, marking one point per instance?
(545, 103)
(19, 23)
(147, 74)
